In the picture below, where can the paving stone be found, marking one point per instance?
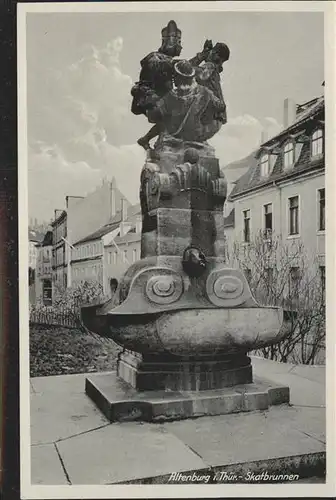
(303, 392)
(46, 467)
(316, 373)
(311, 421)
(56, 415)
(265, 367)
(122, 452)
(64, 384)
(229, 439)
(119, 402)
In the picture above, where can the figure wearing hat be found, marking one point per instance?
(208, 73)
(156, 76)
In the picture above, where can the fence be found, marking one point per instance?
(50, 317)
(63, 318)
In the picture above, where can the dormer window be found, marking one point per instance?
(289, 155)
(317, 143)
(264, 165)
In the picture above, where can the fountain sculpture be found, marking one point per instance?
(185, 319)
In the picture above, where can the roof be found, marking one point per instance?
(59, 218)
(47, 240)
(307, 118)
(113, 223)
(35, 236)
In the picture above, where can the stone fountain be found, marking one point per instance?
(185, 320)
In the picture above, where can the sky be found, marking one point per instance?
(81, 67)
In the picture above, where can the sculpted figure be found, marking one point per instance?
(208, 74)
(187, 111)
(156, 76)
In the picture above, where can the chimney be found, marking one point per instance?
(123, 209)
(112, 200)
(289, 112)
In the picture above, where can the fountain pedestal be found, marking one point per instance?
(169, 373)
(185, 319)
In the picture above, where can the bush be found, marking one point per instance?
(66, 307)
(283, 274)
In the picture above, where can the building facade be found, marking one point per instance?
(283, 192)
(43, 283)
(60, 251)
(122, 250)
(101, 255)
(35, 238)
(87, 217)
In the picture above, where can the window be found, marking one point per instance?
(115, 257)
(321, 209)
(289, 155)
(317, 143)
(134, 254)
(125, 256)
(293, 215)
(264, 166)
(47, 292)
(247, 226)
(268, 220)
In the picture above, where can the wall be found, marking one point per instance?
(114, 260)
(306, 188)
(255, 202)
(94, 211)
(43, 269)
(59, 255)
(32, 254)
(86, 262)
(90, 270)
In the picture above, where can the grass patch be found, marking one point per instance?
(64, 351)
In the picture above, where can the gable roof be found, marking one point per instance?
(306, 121)
(35, 236)
(113, 224)
(58, 219)
(47, 240)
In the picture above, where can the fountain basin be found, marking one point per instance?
(191, 332)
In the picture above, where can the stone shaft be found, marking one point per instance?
(183, 374)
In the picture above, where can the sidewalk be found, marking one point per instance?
(73, 443)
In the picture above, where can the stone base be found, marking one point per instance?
(180, 374)
(120, 402)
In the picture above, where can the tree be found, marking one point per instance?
(282, 274)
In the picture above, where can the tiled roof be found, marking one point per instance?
(47, 240)
(305, 123)
(35, 236)
(59, 218)
(114, 222)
